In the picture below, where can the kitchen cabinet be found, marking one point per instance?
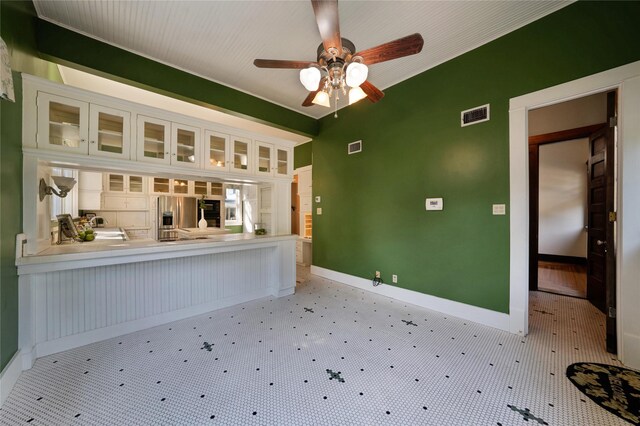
(153, 143)
(89, 190)
(241, 155)
(125, 184)
(216, 151)
(78, 127)
(272, 160)
(124, 202)
(164, 142)
(180, 186)
(185, 145)
(201, 188)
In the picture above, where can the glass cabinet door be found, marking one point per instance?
(136, 184)
(185, 145)
(216, 188)
(62, 123)
(153, 140)
(115, 183)
(109, 132)
(180, 186)
(282, 162)
(200, 188)
(216, 150)
(161, 185)
(263, 156)
(241, 155)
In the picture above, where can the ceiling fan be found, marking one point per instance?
(339, 66)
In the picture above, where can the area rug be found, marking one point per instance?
(616, 389)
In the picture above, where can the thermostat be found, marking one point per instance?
(433, 204)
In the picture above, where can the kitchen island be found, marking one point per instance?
(79, 293)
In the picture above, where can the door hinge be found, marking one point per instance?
(612, 312)
(613, 121)
(613, 216)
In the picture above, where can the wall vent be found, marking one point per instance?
(354, 147)
(474, 115)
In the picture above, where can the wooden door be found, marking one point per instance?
(601, 280)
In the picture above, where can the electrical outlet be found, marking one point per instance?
(394, 279)
(377, 274)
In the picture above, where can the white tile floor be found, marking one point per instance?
(329, 355)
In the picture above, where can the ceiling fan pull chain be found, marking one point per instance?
(335, 115)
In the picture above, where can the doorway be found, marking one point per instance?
(572, 202)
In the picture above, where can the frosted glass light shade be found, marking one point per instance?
(310, 78)
(322, 98)
(356, 74)
(355, 94)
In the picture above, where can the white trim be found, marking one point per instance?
(9, 377)
(627, 80)
(476, 314)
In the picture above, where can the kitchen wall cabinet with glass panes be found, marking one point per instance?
(201, 188)
(129, 184)
(85, 128)
(272, 160)
(164, 142)
(228, 152)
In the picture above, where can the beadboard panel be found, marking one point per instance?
(69, 308)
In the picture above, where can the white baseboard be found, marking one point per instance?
(630, 355)
(9, 376)
(77, 340)
(461, 310)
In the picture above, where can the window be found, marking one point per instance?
(68, 204)
(233, 205)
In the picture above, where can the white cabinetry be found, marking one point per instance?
(125, 184)
(124, 202)
(241, 155)
(272, 160)
(216, 151)
(153, 142)
(185, 145)
(78, 127)
(89, 190)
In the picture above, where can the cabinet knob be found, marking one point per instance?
(82, 140)
(167, 152)
(174, 154)
(93, 141)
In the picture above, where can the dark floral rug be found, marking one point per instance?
(616, 389)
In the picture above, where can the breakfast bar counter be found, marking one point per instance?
(79, 293)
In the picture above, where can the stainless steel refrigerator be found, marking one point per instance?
(174, 213)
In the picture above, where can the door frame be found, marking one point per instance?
(534, 186)
(625, 79)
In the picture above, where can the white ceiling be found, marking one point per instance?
(219, 40)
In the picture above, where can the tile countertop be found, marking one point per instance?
(96, 250)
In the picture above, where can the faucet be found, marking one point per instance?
(96, 221)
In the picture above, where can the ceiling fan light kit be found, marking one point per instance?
(310, 78)
(339, 66)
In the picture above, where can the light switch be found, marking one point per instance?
(319, 211)
(317, 198)
(433, 204)
(499, 209)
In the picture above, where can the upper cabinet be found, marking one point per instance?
(164, 142)
(241, 155)
(272, 160)
(109, 132)
(73, 126)
(68, 120)
(216, 149)
(130, 184)
(185, 145)
(154, 141)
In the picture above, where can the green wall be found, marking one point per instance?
(17, 30)
(302, 155)
(373, 202)
(78, 51)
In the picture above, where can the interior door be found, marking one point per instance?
(601, 278)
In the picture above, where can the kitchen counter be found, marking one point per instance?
(98, 252)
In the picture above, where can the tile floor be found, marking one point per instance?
(329, 355)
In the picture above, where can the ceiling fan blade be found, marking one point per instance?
(405, 46)
(308, 101)
(326, 12)
(373, 93)
(277, 63)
